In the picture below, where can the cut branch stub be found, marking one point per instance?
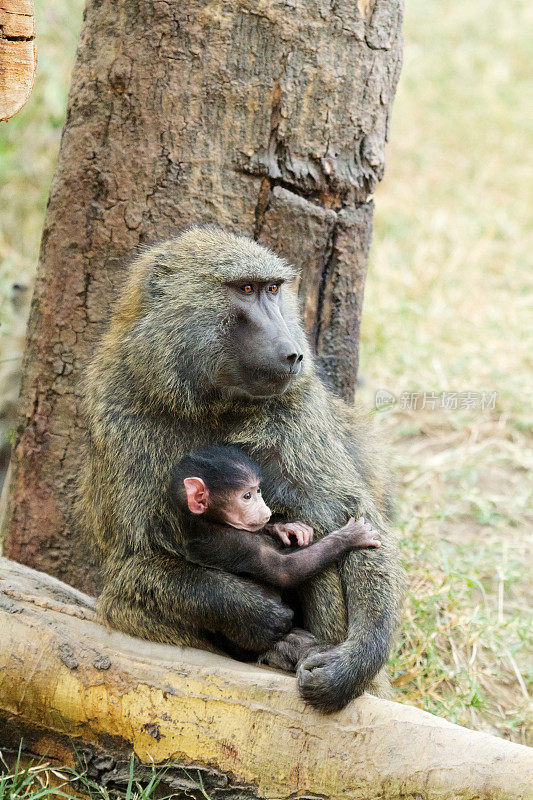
(18, 58)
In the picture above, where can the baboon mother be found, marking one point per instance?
(205, 346)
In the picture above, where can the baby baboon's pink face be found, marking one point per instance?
(241, 508)
(245, 508)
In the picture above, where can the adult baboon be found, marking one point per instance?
(205, 346)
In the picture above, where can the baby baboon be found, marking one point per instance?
(218, 490)
(205, 345)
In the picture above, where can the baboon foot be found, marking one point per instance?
(287, 652)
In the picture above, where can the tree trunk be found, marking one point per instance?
(269, 118)
(80, 693)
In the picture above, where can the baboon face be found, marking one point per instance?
(263, 354)
(219, 313)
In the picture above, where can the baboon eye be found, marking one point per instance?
(273, 288)
(258, 490)
(247, 496)
(247, 288)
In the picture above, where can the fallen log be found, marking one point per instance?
(80, 693)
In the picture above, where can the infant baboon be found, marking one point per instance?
(218, 489)
(205, 345)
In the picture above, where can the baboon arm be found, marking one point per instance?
(241, 552)
(168, 599)
(118, 499)
(373, 588)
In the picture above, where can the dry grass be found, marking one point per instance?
(446, 310)
(29, 144)
(28, 149)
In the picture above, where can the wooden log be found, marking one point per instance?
(72, 686)
(18, 57)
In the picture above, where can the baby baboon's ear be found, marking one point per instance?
(197, 495)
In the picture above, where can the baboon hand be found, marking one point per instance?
(328, 678)
(361, 533)
(303, 532)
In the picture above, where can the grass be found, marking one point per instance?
(31, 781)
(29, 143)
(40, 781)
(28, 150)
(446, 310)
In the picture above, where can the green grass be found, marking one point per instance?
(447, 308)
(31, 781)
(39, 780)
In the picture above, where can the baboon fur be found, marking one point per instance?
(151, 398)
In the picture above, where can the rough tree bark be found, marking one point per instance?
(91, 696)
(267, 117)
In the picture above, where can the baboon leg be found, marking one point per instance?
(171, 600)
(135, 620)
(286, 653)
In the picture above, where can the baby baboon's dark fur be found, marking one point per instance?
(153, 394)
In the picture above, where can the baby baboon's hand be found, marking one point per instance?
(361, 533)
(303, 533)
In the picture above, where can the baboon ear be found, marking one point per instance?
(197, 495)
(153, 281)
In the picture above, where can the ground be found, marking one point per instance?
(445, 324)
(446, 311)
